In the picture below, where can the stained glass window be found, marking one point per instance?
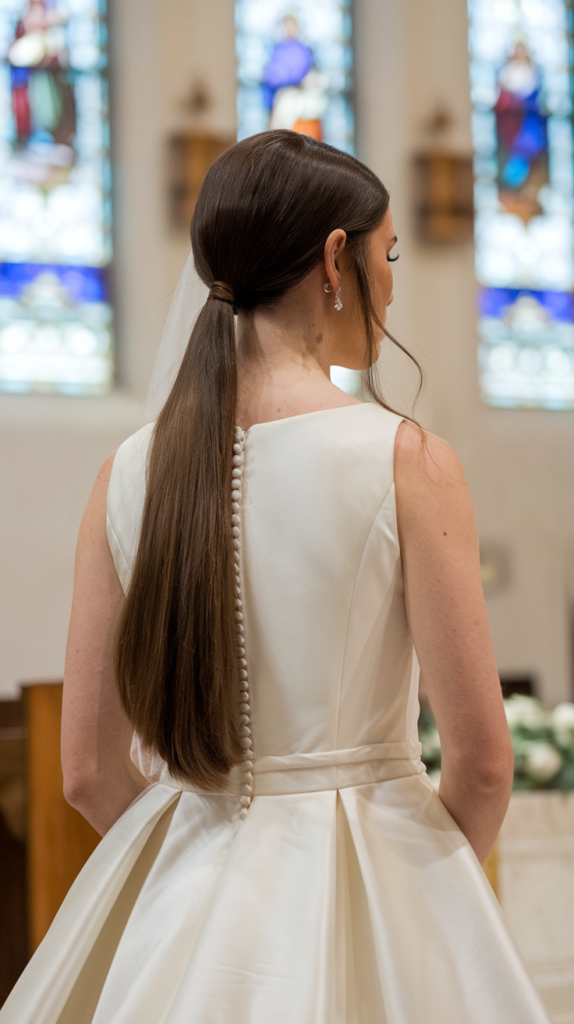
(524, 200)
(55, 198)
(294, 68)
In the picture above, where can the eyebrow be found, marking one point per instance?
(394, 240)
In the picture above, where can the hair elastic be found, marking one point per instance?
(223, 292)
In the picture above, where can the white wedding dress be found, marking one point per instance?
(329, 884)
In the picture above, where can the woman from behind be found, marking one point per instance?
(255, 573)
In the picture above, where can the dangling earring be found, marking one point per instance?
(327, 287)
(338, 302)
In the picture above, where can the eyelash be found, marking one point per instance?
(393, 259)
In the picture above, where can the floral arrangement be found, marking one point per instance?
(543, 744)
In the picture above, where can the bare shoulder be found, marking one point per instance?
(105, 470)
(431, 489)
(420, 454)
(103, 478)
(96, 508)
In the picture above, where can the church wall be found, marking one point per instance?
(409, 56)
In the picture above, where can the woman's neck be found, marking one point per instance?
(283, 366)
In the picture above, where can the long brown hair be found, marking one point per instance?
(260, 224)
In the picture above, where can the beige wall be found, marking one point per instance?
(409, 55)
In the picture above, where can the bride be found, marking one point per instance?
(255, 572)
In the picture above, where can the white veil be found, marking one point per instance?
(190, 296)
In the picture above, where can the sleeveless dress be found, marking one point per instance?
(328, 884)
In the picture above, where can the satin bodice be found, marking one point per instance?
(330, 654)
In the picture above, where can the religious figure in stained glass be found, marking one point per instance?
(42, 97)
(295, 68)
(522, 135)
(524, 201)
(293, 89)
(55, 205)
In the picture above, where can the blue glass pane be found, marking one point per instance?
(82, 284)
(55, 199)
(294, 68)
(496, 301)
(524, 199)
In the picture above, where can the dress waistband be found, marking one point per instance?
(320, 770)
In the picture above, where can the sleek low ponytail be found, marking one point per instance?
(176, 662)
(264, 212)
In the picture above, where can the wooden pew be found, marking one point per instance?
(59, 839)
(13, 898)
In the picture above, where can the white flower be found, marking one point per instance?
(542, 760)
(563, 724)
(525, 713)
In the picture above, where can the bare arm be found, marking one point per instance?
(100, 780)
(447, 616)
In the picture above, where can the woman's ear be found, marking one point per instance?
(334, 247)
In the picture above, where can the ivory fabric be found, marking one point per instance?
(346, 894)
